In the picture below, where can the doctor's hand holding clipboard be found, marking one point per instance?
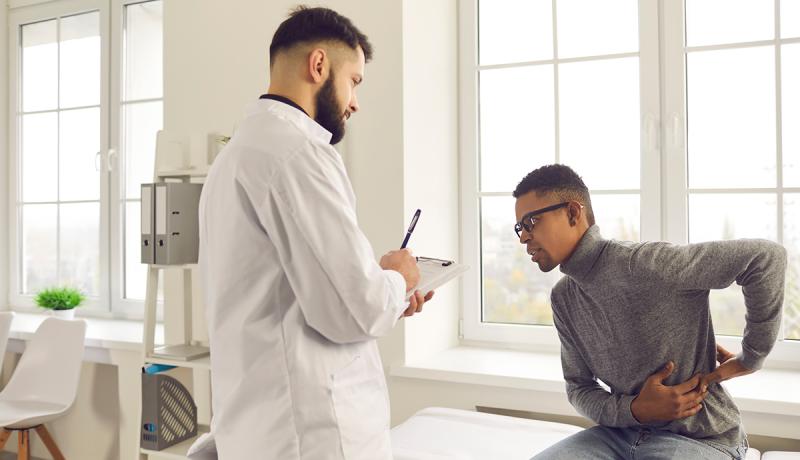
(432, 274)
(388, 262)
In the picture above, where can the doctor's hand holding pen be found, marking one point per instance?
(404, 263)
(417, 300)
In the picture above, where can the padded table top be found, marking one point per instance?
(437, 433)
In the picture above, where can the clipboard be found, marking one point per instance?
(434, 273)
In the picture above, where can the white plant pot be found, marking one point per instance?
(64, 314)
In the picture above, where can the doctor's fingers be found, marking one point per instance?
(412, 306)
(420, 301)
(415, 303)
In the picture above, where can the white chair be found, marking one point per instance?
(5, 326)
(44, 384)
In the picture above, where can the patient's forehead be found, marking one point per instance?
(534, 200)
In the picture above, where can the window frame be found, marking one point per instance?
(19, 17)
(664, 188)
(110, 303)
(121, 306)
(786, 353)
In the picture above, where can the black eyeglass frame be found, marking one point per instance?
(527, 217)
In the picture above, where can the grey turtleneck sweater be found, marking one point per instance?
(625, 309)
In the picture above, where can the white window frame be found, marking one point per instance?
(121, 306)
(664, 188)
(677, 190)
(110, 303)
(17, 18)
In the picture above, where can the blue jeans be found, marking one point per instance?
(604, 443)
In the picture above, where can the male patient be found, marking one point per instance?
(636, 316)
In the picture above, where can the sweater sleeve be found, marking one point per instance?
(759, 266)
(583, 390)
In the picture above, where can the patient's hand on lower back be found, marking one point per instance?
(657, 402)
(729, 367)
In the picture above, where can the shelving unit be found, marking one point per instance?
(203, 364)
(178, 451)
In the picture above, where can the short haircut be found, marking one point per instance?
(560, 180)
(309, 25)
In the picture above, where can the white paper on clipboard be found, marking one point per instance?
(434, 273)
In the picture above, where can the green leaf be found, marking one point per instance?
(59, 298)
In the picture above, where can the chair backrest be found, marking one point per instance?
(5, 327)
(50, 367)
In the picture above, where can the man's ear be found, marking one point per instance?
(317, 62)
(574, 211)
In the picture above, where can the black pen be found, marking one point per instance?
(411, 228)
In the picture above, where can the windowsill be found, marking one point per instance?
(768, 391)
(106, 334)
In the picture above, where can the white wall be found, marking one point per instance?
(4, 155)
(430, 156)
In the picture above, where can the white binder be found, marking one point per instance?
(148, 225)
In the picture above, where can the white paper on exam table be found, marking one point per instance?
(434, 273)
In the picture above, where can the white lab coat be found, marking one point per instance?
(294, 296)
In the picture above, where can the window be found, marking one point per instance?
(741, 102)
(141, 112)
(71, 105)
(607, 88)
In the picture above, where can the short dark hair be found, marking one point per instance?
(560, 180)
(306, 25)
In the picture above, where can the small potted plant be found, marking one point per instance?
(61, 301)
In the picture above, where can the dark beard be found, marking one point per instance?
(329, 115)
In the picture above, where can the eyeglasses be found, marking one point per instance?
(529, 219)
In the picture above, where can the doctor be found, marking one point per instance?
(295, 297)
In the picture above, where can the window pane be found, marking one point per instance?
(790, 18)
(729, 216)
(791, 241)
(80, 142)
(135, 271)
(617, 216)
(731, 114)
(514, 289)
(515, 31)
(80, 246)
(713, 22)
(725, 217)
(40, 66)
(141, 124)
(39, 161)
(39, 247)
(80, 60)
(790, 106)
(591, 28)
(599, 114)
(143, 51)
(517, 124)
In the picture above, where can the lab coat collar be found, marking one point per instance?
(292, 115)
(585, 254)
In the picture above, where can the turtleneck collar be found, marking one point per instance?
(585, 255)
